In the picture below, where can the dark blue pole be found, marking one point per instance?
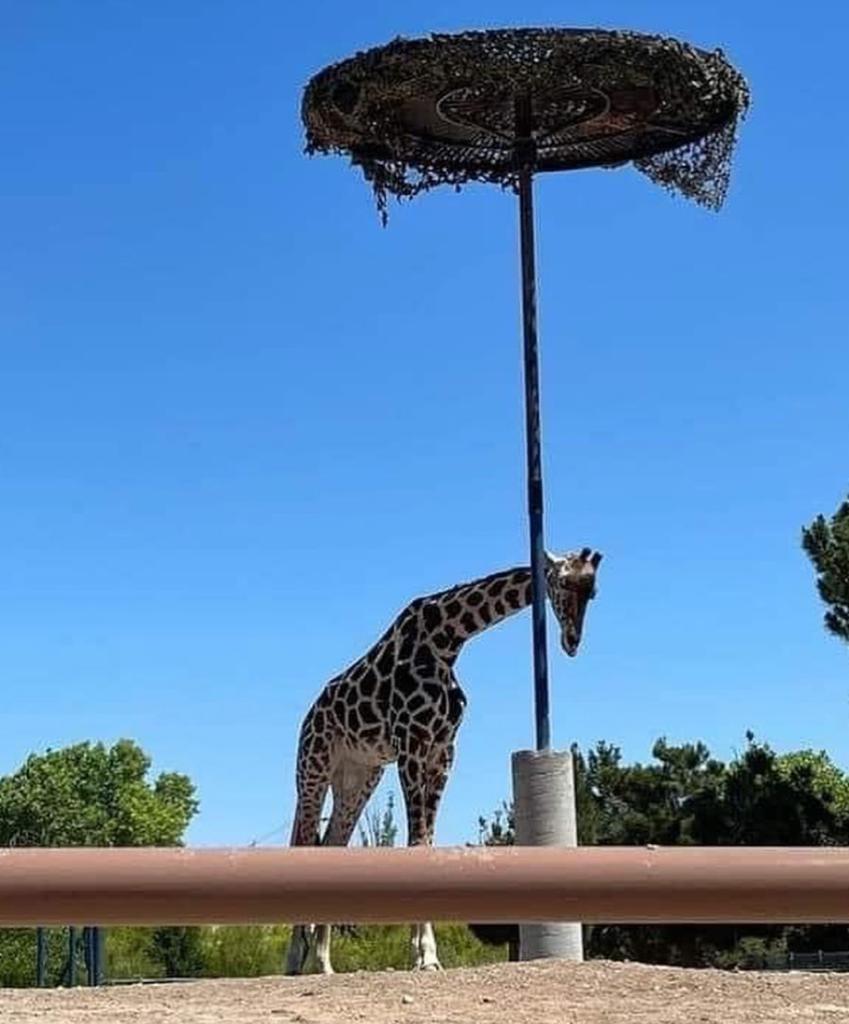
(91, 945)
(72, 957)
(40, 957)
(95, 955)
(526, 158)
(88, 955)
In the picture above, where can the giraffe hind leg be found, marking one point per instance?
(299, 949)
(423, 781)
(313, 783)
(352, 784)
(425, 957)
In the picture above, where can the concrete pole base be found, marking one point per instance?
(544, 808)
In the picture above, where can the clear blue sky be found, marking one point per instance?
(241, 425)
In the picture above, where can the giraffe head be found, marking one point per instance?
(570, 581)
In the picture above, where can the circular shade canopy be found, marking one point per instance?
(479, 105)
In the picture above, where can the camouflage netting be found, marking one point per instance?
(425, 112)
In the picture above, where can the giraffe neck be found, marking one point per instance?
(451, 617)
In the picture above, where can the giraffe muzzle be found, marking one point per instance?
(570, 643)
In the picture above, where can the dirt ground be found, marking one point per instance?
(535, 993)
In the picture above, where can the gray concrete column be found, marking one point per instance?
(544, 808)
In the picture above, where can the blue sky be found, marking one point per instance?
(241, 425)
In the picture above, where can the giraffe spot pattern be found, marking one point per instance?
(431, 615)
(384, 689)
(368, 713)
(385, 661)
(425, 660)
(405, 681)
(369, 683)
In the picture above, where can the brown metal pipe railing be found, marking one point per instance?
(590, 884)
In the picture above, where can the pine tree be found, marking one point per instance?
(826, 542)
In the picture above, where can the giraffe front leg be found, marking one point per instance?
(422, 782)
(299, 950)
(322, 949)
(423, 941)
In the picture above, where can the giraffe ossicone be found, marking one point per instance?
(401, 702)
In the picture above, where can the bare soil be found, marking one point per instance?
(532, 993)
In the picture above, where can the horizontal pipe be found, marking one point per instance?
(590, 884)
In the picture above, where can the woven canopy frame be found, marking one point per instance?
(419, 113)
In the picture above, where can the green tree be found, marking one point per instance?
(826, 542)
(93, 795)
(378, 827)
(179, 950)
(500, 830)
(815, 770)
(624, 805)
(797, 799)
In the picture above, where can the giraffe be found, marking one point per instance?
(401, 702)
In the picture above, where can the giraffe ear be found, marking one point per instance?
(596, 559)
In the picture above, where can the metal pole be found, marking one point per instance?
(40, 957)
(87, 953)
(525, 156)
(97, 950)
(72, 957)
(90, 947)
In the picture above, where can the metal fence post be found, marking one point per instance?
(40, 957)
(72, 956)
